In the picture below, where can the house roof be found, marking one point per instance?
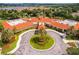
(7, 26)
(30, 23)
(60, 25)
(18, 26)
(76, 27)
(23, 25)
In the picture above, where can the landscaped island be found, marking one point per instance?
(48, 43)
(41, 40)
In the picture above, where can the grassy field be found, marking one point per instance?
(49, 41)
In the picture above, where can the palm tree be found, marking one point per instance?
(42, 33)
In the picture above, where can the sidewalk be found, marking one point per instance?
(66, 41)
(75, 41)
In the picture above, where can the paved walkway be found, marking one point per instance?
(26, 49)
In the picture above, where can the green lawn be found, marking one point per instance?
(13, 45)
(1, 44)
(0, 27)
(49, 41)
(73, 51)
(2, 21)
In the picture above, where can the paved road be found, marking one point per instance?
(26, 49)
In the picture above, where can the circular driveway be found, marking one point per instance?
(25, 48)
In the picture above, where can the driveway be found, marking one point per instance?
(26, 49)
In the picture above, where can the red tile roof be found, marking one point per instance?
(59, 25)
(76, 27)
(7, 26)
(30, 23)
(23, 25)
(45, 19)
(34, 20)
(26, 19)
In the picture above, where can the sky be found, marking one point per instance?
(39, 1)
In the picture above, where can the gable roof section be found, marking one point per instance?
(23, 25)
(7, 26)
(59, 25)
(76, 27)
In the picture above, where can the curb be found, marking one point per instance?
(19, 40)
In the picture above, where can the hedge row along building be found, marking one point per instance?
(24, 23)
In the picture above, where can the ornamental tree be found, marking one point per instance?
(7, 36)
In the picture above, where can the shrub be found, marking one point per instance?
(72, 44)
(7, 36)
(73, 51)
(1, 44)
(1, 27)
(36, 31)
